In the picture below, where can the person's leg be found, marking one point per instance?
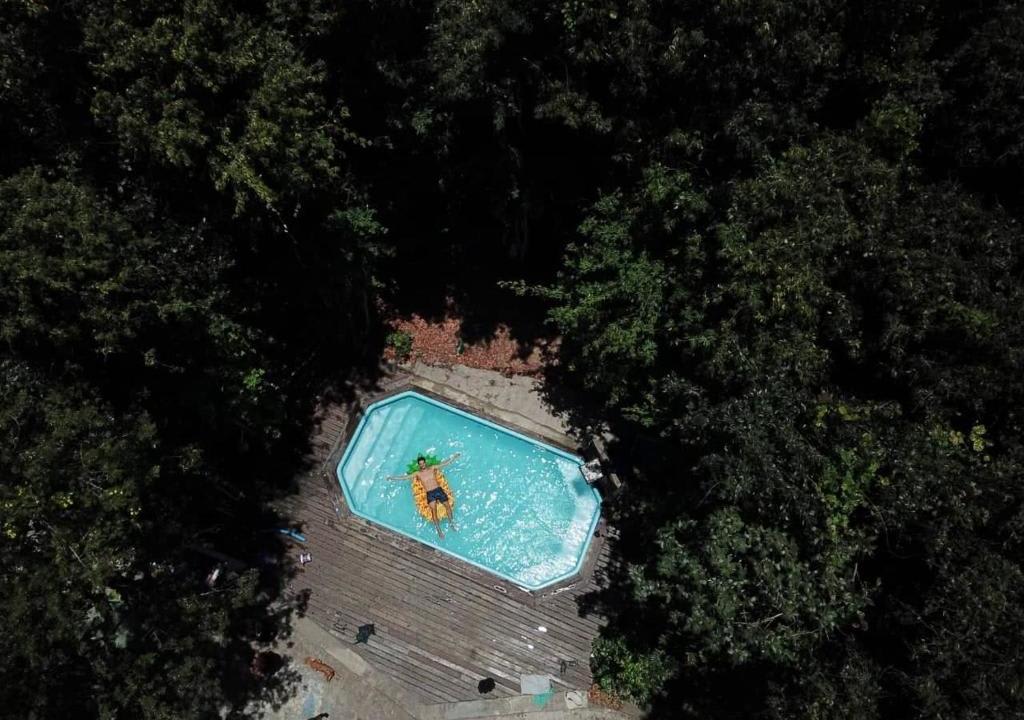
(451, 513)
(433, 514)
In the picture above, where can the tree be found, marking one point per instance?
(177, 216)
(105, 616)
(809, 369)
(218, 91)
(779, 243)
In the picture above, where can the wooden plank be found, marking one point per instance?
(427, 670)
(435, 567)
(448, 676)
(384, 595)
(441, 626)
(437, 629)
(360, 596)
(429, 688)
(481, 648)
(360, 557)
(477, 658)
(467, 605)
(482, 658)
(348, 545)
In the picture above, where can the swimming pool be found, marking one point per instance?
(523, 509)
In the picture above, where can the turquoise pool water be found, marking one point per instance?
(523, 508)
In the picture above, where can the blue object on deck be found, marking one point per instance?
(542, 699)
(294, 534)
(523, 508)
(309, 704)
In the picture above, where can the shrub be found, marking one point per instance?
(401, 342)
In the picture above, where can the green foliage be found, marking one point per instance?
(628, 674)
(85, 593)
(984, 74)
(177, 214)
(779, 243)
(414, 465)
(794, 337)
(401, 342)
(220, 91)
(78, 280)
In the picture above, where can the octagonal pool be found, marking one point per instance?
(523, 509)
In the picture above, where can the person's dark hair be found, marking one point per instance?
(420, 457)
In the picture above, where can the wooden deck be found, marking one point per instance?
(441, 624)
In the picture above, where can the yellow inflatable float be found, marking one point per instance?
(419, 494)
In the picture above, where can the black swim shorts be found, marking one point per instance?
(437, 495)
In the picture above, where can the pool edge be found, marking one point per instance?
(584, 565)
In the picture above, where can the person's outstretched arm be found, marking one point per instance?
(449, 460)
(410, 476)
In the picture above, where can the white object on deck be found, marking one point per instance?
(575, 699)
(592, 471)
(534, 684)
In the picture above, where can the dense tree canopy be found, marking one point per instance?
(177, 215)
(780, 243)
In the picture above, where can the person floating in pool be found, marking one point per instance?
(435, 493)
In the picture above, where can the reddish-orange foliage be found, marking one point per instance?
(437, 343)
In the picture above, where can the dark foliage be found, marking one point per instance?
(780, 243)
(186, 263)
